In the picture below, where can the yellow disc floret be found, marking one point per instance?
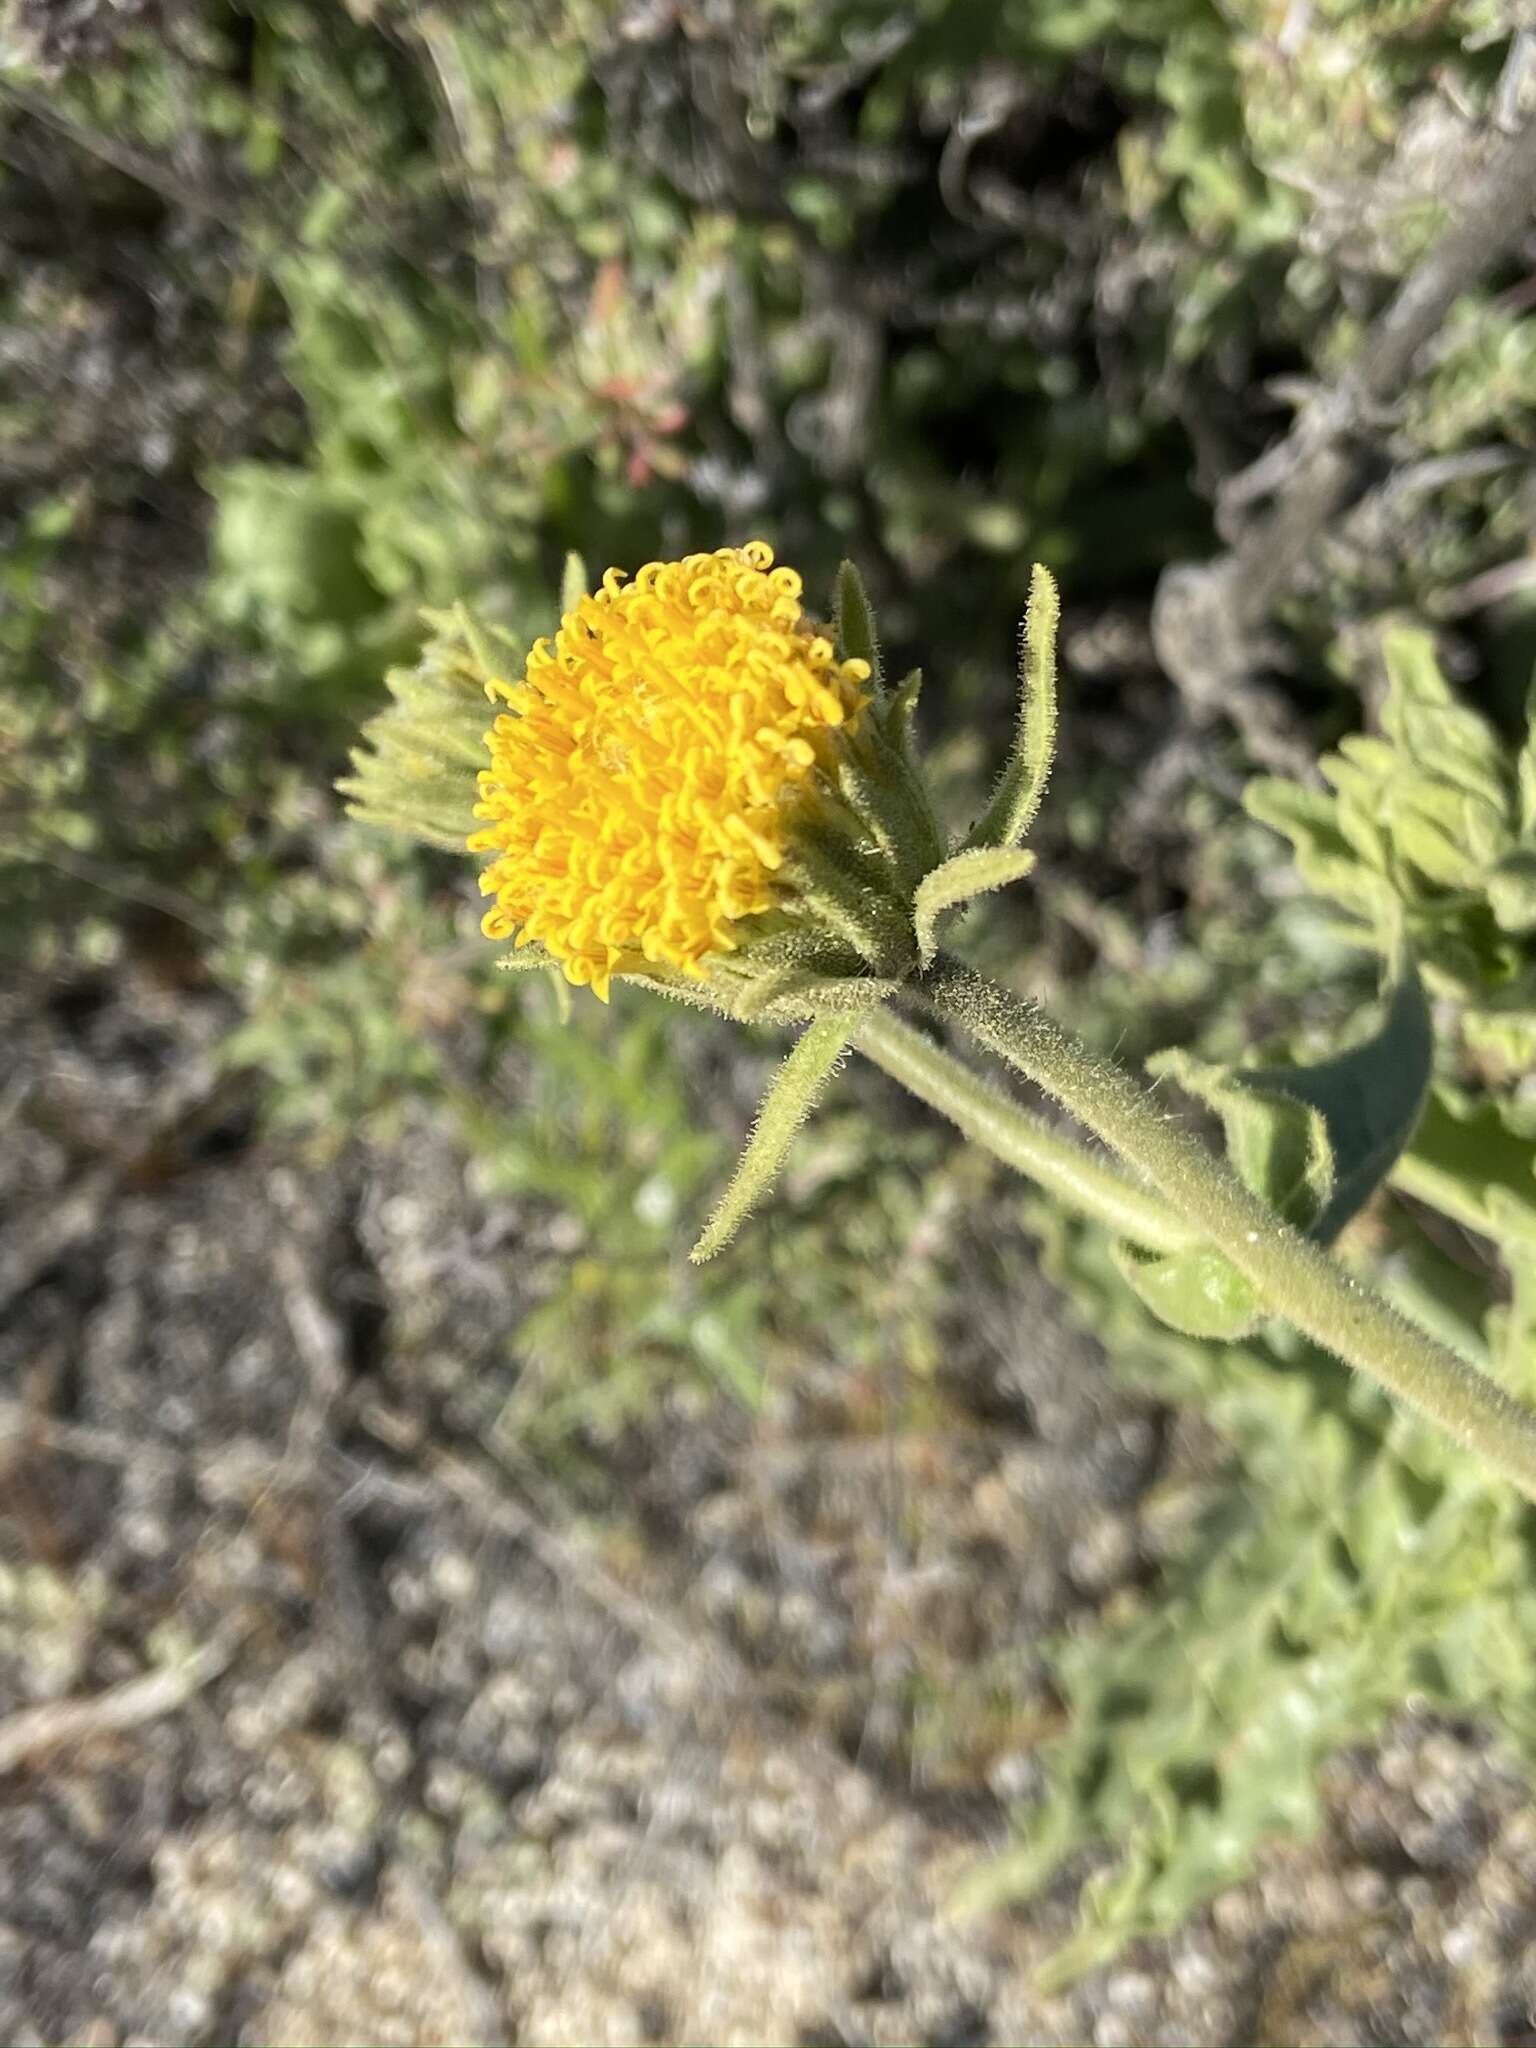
(645, 778)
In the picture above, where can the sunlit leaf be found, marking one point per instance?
(856, 636)
(1199, 1293)
(901, 713)
(1512, 892)
(789, 1101)
(793, 995)
(956, 882)
(1021, 788)
(1279, 1146)
(1315, 1142)
(1470, 1162)
(1370, 1099)
(573, 583)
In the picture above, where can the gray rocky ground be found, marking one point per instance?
(325, 1717)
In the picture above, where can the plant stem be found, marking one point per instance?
(1295, 1278)
(1026, 1142)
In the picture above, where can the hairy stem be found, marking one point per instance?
(1027, 1143)
(1295, 1278)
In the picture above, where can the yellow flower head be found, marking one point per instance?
(645, 779)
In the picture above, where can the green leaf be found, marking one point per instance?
(493, 651)
(1198, 1293)
(794, 995)
(855, 620)
(1413, 674)
(1502, 1037)
(901, 714)
(1315, 1142)
(868, 796)
(573, 583)
(1306, 817)
(957, 881)
(1435, 828)
(1360, 820)
(1486, 831)
(1329, 863)
(884, 790)
(1279, 1146)
(289, 543)
(789, 1101)
(680, 988)
(1512, 1327)
(415, 771)
(430, 817)
(841, 888)
(1471, 1162)
(1372, 760)
(1525, 773)
(1369, 1098)
(1512, 891)
(1420, 714)
(1017, 797)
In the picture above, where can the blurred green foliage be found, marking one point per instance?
(366, 309)
(1428, 838)
(1345, 1564)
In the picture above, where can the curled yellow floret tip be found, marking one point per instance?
(646, 775)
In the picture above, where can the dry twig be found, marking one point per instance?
(60, 1724)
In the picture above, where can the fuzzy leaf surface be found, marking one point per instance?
(856, 633)
(1512, 891)
(1315, 1142)
(792, 996)
(573, 583)
(1370, 1100)
(1327, 853)
(901, 714)
(1018, 795)
(1198, 1293)
(956, 882)
(1279, 1146)
(416, 767)
(789, 1101)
